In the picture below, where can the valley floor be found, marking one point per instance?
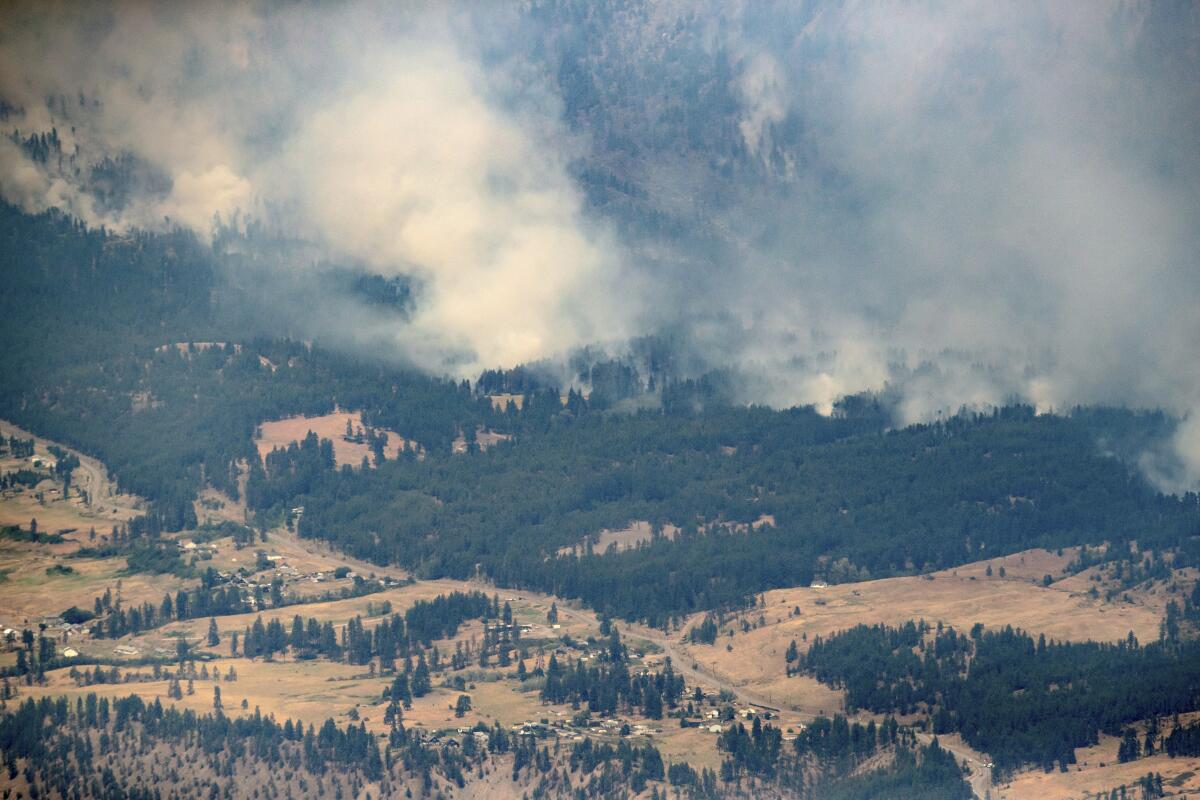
(746, 661)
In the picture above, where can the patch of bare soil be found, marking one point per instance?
(484, 438)
(346, 450)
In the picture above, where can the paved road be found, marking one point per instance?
(980, 777)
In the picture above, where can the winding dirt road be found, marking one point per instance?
(979, 776)
(91, 476)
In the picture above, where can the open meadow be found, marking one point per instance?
(958, 597)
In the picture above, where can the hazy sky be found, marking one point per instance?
(1010, 190)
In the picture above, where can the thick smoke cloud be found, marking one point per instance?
(414, 169)
(972, 203)
(963, 203)
(371, 133)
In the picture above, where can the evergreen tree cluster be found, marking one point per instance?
(16, 447)
(926, 773)
(91, 321)
(638, 764)
(606, 685)
(755, 751)
(844, 503)
(1183, 740)
(1020, 699)
(398, 635)
(840, 740)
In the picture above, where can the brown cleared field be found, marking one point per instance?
(91, 475)
(959, 597)
(281, 433)
(500, 701)
(311, 691)
(635, 533)
(501, 401)
(28, 593)
(1097, 770)
(212, 506)
(692, 745)
(53, 512)
(305, 555)
(484, 439)
(188, 347)
(56, 514)
(1181, 778)
(640, 531)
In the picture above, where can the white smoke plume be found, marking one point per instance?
(1001, 203)
(367, 131)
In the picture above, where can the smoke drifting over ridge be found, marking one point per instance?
(366, 132)
(968, 204)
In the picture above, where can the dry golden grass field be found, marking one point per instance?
(1181, 777)
(28, 593)
(501, 401)
(959, 597)
(311, 691)
(303, 555)
(750, 662)
(484, 439)
(632, 535)
(280, 433)
(53, 512)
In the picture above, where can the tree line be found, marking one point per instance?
(1022, 700)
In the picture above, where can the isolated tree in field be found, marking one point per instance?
(233, 644)
(214, 635)
(462, 705)
(552, 614)
(217, 698)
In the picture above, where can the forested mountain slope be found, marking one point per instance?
(762, 498)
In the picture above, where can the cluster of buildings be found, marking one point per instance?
(51, 627)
